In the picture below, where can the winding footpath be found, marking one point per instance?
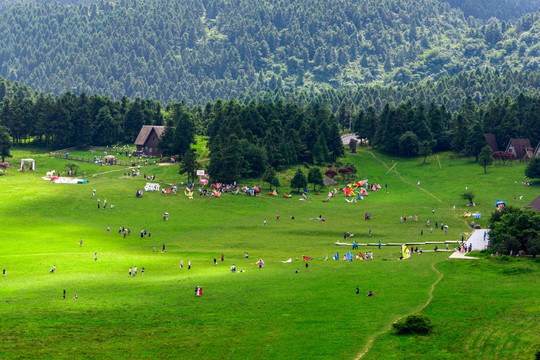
(430, 296)
(385, 330)
(402, 178)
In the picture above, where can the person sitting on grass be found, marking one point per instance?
(371, 293)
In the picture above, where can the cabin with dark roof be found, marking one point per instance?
(535, 204)
(521, 148)
(147, 140)
(492, 142)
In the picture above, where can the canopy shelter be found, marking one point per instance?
(32, 164)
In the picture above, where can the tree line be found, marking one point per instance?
(247, 139)
(410, 130)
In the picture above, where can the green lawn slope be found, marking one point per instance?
(485, 308)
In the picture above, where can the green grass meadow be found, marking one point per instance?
(481, 309)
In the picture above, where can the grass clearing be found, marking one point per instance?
(269, 313)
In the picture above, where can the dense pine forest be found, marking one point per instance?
(201, 50)
(246, 139)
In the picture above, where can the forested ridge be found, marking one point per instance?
(202, 50)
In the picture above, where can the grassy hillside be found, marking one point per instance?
(268, 313)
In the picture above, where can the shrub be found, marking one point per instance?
(330, 173)
(468, 195)
(414, 324)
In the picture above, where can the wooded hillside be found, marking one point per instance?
(199, 51)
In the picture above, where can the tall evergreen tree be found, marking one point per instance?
(5, 143)
(189, 165)
(334, 143)
(476, 140)
(459, 134)
(320, 150)
(315, 177)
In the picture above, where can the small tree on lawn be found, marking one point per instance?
(315, 177)
(269, 176)
(484, 158)
(299, 180)
(469, 196)
(533, 168)
(275, 182)
(425, 150)
(73, 167)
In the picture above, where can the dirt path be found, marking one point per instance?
(389, 327)
(403, 179)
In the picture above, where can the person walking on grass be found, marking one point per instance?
(357, 290)
(95, 256)
(80, 242)
(64, 294)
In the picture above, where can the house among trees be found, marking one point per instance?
(147, 140)
(537, 150)
(535, 204)
(521, 148)
(492, 142)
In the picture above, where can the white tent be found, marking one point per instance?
(32, 164)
